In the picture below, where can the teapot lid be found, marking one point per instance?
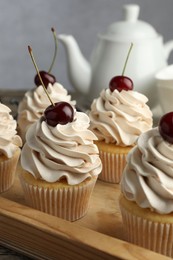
(130, 28)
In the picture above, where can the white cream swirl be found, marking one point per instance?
(9, 140)
(148, 176)
(52, 153)
(120, 117)
(34, 103)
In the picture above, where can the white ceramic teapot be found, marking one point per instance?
(148, 55)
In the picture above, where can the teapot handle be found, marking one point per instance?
(168, 47)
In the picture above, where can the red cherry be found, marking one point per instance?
(120, 83)
(46, 78)
(59, 113)
(166, 127)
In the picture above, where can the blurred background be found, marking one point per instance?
(24, 23)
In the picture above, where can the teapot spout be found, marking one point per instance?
(79, 70)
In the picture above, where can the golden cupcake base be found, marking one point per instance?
(146, 228)
(113, 159)
(7, 170)
(59, 199)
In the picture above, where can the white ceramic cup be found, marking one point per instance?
(164, 83)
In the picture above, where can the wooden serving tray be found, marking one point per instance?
(98, 235)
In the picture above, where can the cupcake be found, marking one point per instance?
(60, 162)
(146, 201)
(118, 117)
(10, 144)
(34, 103)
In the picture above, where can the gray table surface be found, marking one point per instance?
(8, 254)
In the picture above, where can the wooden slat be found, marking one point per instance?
(98, 235)
(49, 237)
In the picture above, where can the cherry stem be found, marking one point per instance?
(127, 58)
(35, 65)
(55, 51)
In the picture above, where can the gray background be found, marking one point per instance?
(24, 23)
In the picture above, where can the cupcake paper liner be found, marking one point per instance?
(113, 166)
(70, 202)
(155, 236)
(7, 172)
